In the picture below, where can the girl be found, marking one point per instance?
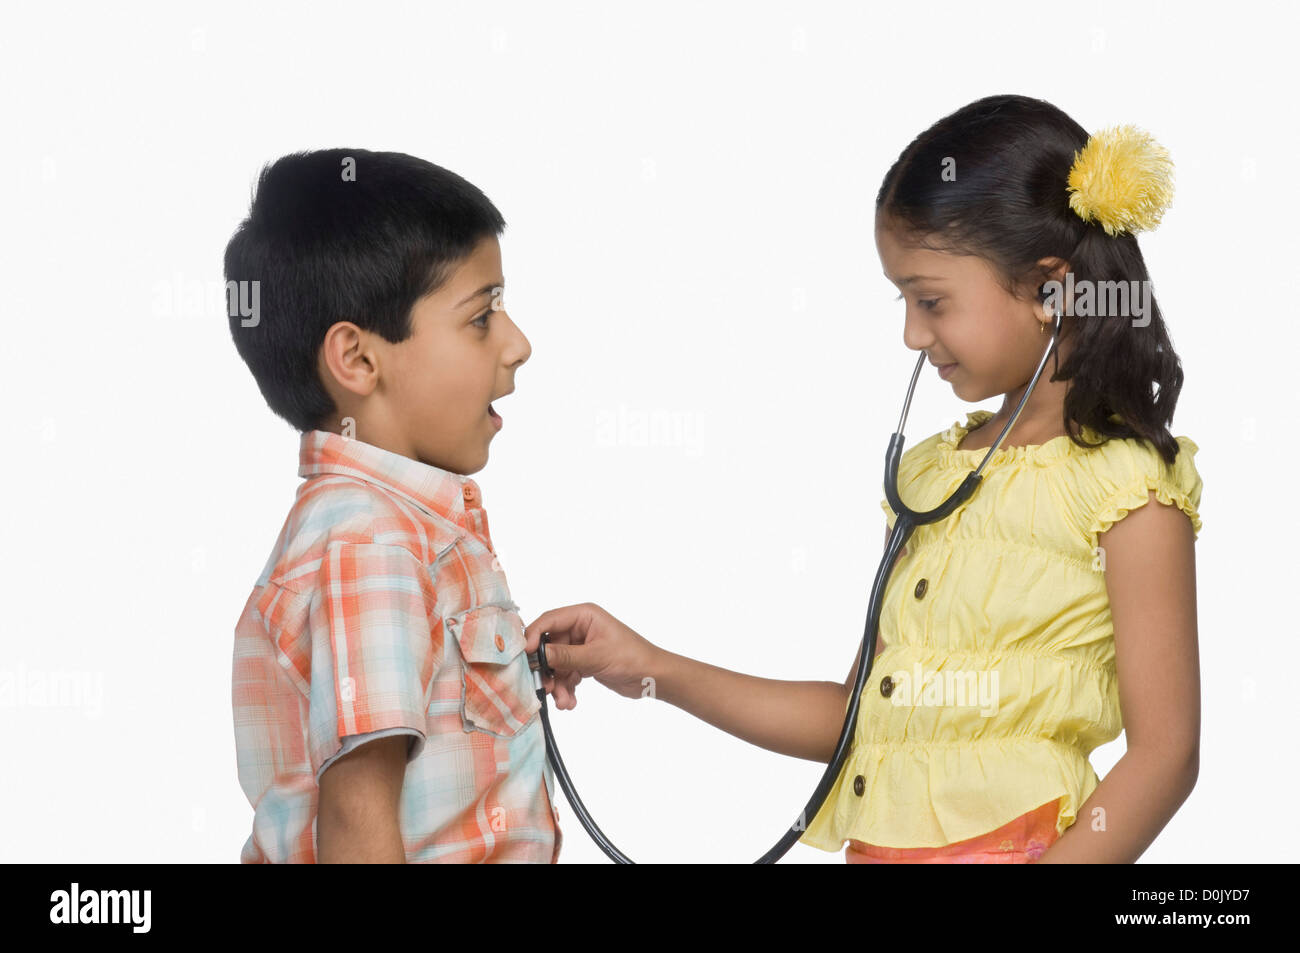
(1016, 631)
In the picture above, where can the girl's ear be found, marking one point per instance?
(1053, 269)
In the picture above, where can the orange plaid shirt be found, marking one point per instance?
(383, 610)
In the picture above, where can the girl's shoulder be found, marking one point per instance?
(1103, 484)
(1094, 486)
(1108, 482)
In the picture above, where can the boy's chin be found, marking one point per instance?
(476, 463)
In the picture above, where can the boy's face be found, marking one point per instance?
(427, 397)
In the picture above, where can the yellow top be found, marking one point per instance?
(998, 676)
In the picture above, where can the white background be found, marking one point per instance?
(689, 191)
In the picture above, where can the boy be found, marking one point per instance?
(384, 707)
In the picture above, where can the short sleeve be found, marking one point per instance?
(1123, 474)
(415, 742)
(376, 644)
(890, 515)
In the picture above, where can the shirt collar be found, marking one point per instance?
(453, 496)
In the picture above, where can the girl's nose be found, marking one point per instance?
(916, 337)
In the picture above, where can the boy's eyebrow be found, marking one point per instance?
(482, 291)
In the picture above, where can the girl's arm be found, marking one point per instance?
(1151, 581)
(799, 719)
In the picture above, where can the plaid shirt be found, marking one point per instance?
(383, 610)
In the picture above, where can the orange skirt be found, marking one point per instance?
(1021, 841)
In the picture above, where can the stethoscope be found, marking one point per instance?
(906, 521)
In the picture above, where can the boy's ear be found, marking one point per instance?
(347, 362)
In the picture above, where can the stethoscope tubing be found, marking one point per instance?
(905, 523)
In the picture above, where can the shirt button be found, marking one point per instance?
(920, 588)
(859, 785)
(886, 686)
(501, 643)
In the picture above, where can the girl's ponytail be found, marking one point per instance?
(1115, 367)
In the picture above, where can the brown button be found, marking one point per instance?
(501, 643)
(859, 785)
(920, 588)
(886, 686)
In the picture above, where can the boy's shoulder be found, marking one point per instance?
(335, 509)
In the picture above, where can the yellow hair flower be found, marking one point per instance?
(1123, 179)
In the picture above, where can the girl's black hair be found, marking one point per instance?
(342, 235)
(1009, 204)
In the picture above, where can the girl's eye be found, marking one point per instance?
(928, 303)
(482, 317)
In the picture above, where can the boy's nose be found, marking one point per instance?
(527, 349)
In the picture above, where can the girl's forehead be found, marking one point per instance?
(905, 261)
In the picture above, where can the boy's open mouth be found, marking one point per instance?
(492, 411)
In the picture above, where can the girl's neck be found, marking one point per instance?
(1023, 434)
(1040, 421)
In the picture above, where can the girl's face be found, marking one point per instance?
(958, 313)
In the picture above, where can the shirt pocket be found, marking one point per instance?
(497, 694)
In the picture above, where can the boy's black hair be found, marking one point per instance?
(1009, 204)
(342, 235)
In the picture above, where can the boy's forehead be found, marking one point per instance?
(475, 276)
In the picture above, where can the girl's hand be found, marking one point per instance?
(585, 640)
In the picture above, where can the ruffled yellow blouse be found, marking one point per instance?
(998, 676)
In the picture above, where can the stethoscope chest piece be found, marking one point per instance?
(537, 660)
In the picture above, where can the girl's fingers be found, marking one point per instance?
(564, 699)
(571, 687)
(558, 622)
(561, 690)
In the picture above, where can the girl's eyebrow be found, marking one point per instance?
(911, 278)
